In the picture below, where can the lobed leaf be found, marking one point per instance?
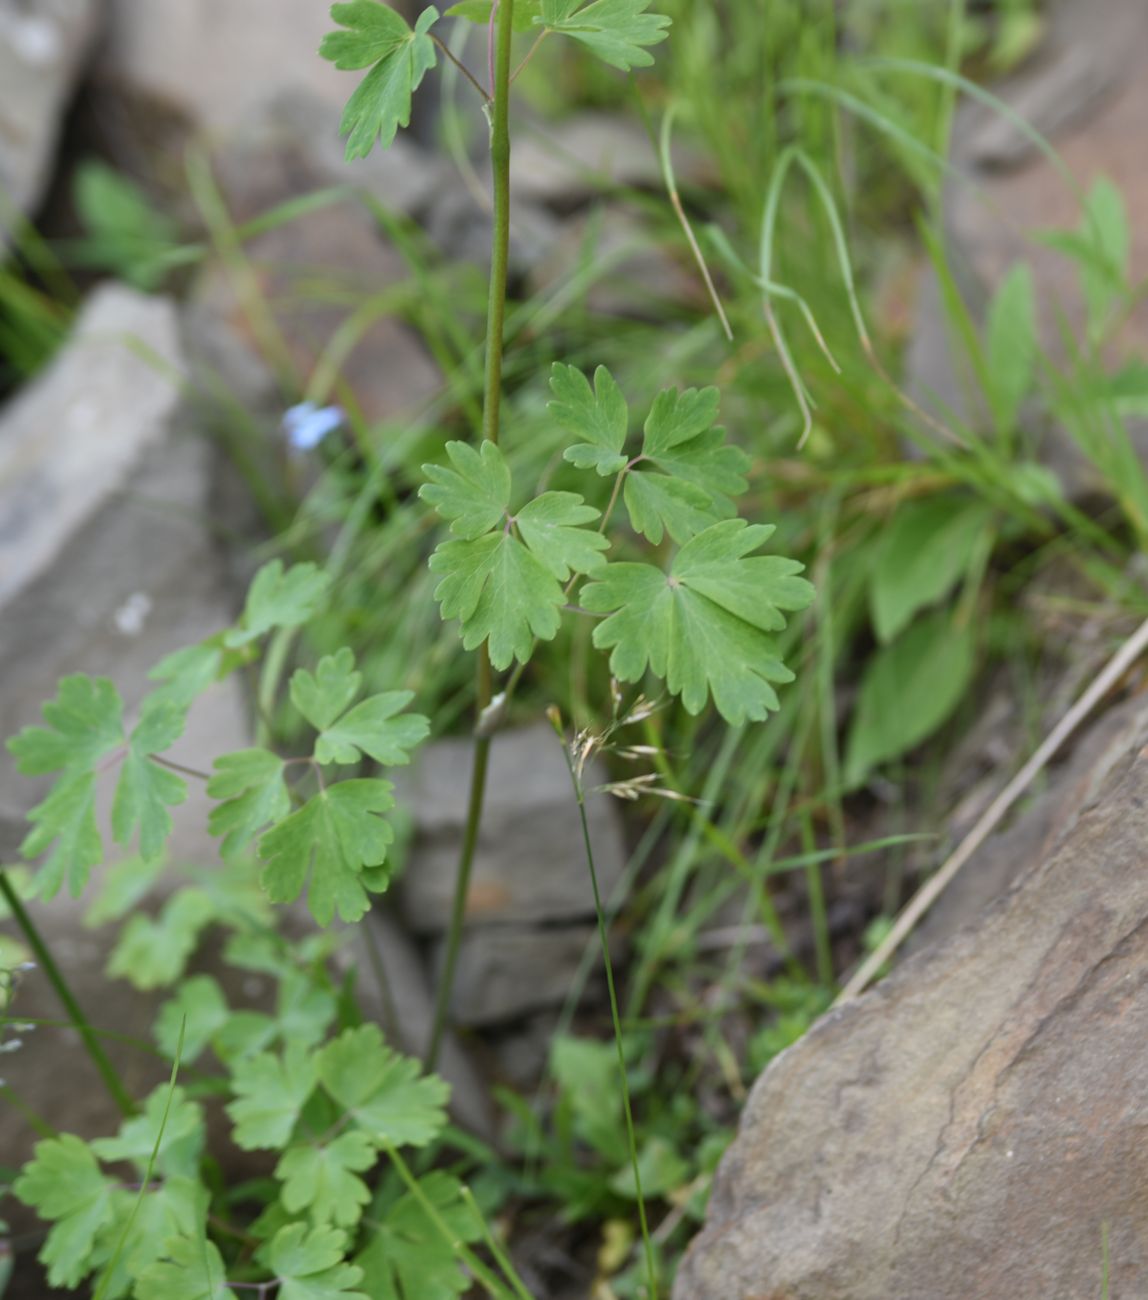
(270, 1093)
(615, 30)
(324, 1180)
(279, 598)
(705, 625)
(598, 416)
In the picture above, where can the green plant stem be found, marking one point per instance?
(107, 1071)
(603, 937)
(491, 409)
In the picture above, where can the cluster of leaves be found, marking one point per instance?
(333, 847)
(399, 56)
(705, 623)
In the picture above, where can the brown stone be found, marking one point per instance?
(972, 1125)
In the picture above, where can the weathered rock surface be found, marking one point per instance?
(508, 971)
(42, 48)
(215, 62)
(970, 1126)
(530, 864)
(263, 333)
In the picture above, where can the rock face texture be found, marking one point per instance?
(42, 47)
(971, 1126)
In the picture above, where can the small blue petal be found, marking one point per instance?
(306, 425)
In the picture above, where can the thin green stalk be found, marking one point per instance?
(603, 937)
(491, 408)
(107, 1071)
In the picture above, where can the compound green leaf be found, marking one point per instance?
(385, 1093)
(327, 846)
(378, 728)
(398, 57)
(67, 820)
(324, 1180)
(552, 526)
(85, 722)
(310, 1266)
(473, 492)
(404, 1258)
(169, 1118)
(278, 598)
(692, 474)
(64, 1184)
(704, 626)
(196, 1014)
(615, 30)
(193, 1270)
(250, 783)
(270, 1092)
(145, 790)
(597, 415)
(152, 953)
(143, 1225)
(321, 696)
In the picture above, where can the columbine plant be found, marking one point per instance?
(680, 591)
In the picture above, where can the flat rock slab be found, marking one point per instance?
(971, 1126)
(42, 48)
(530, 864)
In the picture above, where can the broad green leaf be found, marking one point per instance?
(398, 58)
(406, 1258)
(386, 1093)
(187, 673)
(124, 886)
(64, 1184)
(597, 415)
(473, 492)
(378, 728)
(324, 1180)
(326, 847)
(1010, 344)
(310, 1266)
(686, 474)
(145, 790)
(1100, 247)
(321, 696)
(250, 783)
(193, 1270)
(196, 1014)
(304, 1008)
(704, 626)
(152, 953)
(908, 690)
(85, 722)
(923, 554)
(277, 598)
(500, 593)
(615, 30)
(270, 1092)
(478, 11)
(126, 234)
(169, 1118)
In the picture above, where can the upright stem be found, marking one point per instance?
(491, 407)
(100, 1060)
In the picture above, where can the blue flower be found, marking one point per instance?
(306, 425)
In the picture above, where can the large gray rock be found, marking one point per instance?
(530, 864)
(973, 1125)
(42, 48)
(71, 439)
